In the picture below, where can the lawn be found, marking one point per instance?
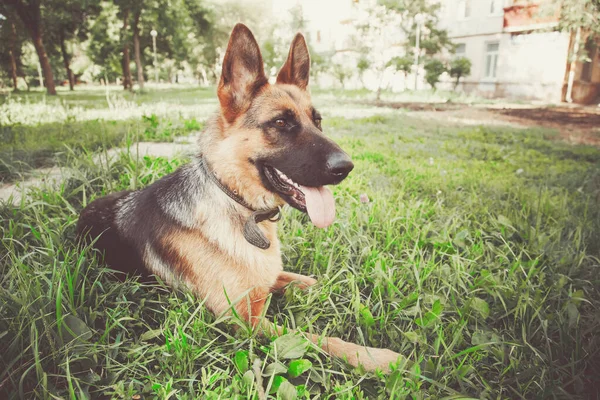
(477, 258)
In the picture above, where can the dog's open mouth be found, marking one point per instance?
(318, 202)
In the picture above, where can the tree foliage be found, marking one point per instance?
(459, 67)
(341, 72)
(433, 40)
(583, 14)
(32, 15)
(402, 64)
(104, 47)
(433, 70)
(109, 40)
(112, 38)
(66, 22)
(387, 33)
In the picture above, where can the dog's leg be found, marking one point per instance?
(285, 278)
(369, 358)
(250, 308)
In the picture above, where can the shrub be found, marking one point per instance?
(433, 70)
(459, 67)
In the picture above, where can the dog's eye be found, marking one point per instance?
(280, 123)
(318, 122)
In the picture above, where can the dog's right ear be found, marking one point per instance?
(295, 70)
(243, 73)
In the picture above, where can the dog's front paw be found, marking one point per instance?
(286, 279)
(378, 359)
(305, 282)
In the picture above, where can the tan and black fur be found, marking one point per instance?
(188, 231)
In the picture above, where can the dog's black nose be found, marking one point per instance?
(339, 165)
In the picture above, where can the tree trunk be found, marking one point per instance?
(13, 70)
(126, 60)
(136, 49)
(31, 16)
(378, 96)
(11, 54)
(45, 63)
(67, 61)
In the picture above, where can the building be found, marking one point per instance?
(517, 51)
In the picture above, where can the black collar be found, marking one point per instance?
(252, 233)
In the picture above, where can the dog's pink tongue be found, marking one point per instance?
(320, 205)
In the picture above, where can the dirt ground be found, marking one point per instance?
(576, 124)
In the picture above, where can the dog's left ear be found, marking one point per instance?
(243, 73)
(296, 69)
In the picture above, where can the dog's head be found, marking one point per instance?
(276, 129)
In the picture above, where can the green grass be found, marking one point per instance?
(94, 97)
(37, 130)
(477, 258)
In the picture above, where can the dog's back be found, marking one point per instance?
(98, 222)
(126, 223)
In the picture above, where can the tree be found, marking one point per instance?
(362, 66)
(403, 64)
(11, 44)
(66, 21)
(188, 36)
(104, 44)
(432, 40)
(126, 60)
(433, 70)
(341, 73)
(376, 33)
(319, 63)
(31, 15)
(581, 17)
(137, 15)
(583, 14)
(459, 67)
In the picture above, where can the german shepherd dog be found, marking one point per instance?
(210, 225)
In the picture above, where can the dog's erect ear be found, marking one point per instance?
(297, 66)
(243, 73)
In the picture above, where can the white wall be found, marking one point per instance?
(480, 21)
(533, 65)
(530, 65)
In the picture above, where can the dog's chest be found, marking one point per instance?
(218, 251)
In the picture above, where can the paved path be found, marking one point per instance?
(15, 191)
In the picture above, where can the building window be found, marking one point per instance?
(495, 7)
(491, 59)
(464, 9)
(588, 66)
(461, 50)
